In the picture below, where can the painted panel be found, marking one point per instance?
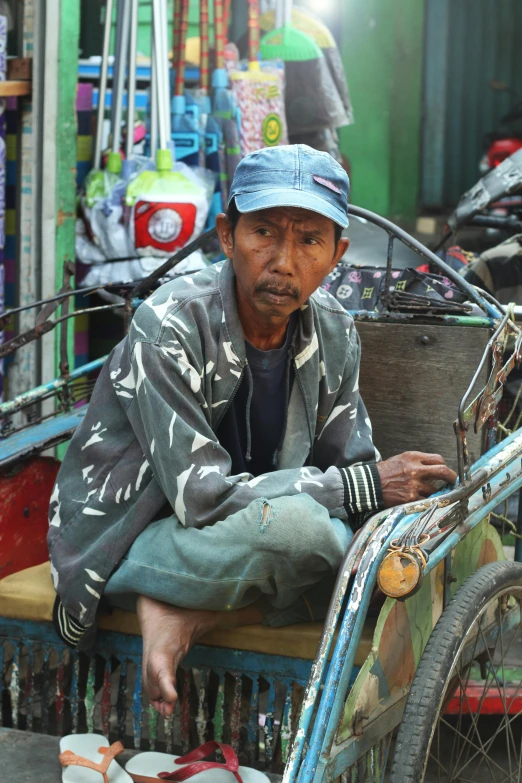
(402, 632)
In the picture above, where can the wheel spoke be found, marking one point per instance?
(469, 745)
(460, 713)
(519, 776)
(474, 726)
(471, 712)
(439, 767)
(502, 724)
(488, 760)
(509, 733)
(502, 695)
(477, 740)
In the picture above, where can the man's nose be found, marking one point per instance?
(284, 259)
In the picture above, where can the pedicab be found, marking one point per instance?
(422, 642)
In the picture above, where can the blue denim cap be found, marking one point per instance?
(292, 176)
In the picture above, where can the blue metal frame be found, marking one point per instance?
(36, 394)
(504, 480)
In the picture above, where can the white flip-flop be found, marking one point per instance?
(88, 758)
(151, 767)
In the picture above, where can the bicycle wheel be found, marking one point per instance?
(467, 672)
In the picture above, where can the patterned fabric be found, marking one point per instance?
(147, 445)
(360, 288)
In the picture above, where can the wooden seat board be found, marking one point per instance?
(30, 595)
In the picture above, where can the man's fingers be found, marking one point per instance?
(431, 459)
(425, 489)
(438, 473)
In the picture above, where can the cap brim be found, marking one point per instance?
(268, 199)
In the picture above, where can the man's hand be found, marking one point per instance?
(408, 477)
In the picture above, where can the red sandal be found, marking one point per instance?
(145, 767)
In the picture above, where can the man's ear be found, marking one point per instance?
(340, 250)
(224, 230)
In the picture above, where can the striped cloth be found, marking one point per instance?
(362, 491)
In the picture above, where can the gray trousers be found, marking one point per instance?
(282, 553)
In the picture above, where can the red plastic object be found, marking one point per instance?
(196, 764)
(163, 225)
(502, 149)
(490, 704)
(24, 505)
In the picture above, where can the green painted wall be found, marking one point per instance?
(382, 48)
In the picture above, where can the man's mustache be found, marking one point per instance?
(272, 288)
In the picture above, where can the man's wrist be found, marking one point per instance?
(362, 489)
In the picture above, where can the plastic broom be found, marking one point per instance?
(289, 44)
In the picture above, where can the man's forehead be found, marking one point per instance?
(295, 214)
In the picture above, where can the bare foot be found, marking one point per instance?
(168, 634)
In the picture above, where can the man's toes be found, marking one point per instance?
(164, 709)
(167, 688)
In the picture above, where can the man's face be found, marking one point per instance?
(280, 257)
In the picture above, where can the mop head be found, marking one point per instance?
(168, 210)
(99, 183)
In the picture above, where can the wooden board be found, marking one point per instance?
(19, 68)
(412, 380)
(13, 89)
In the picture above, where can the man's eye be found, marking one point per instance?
(264, 232)
(310, 241)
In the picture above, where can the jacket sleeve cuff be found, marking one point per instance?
(362, 490)
(68, 629)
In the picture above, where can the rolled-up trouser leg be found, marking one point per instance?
(271, 550)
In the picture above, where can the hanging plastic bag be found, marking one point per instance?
(168, 209)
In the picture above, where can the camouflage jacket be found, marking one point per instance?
(147, 446)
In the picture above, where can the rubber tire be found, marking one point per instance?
(427, 690)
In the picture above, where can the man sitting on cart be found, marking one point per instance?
(226, 456)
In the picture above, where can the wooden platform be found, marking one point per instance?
(29, 595)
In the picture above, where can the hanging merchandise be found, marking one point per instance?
(152, 207)
(100, 181)
(184, 123)
(312, 100)
(304, 20)
(259, 93)
(4, 24)
(168, 208)
(101, 234)
(223, 106)
(231, 123)
(211, 133)
(105, 216)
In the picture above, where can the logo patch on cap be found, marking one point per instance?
(327, 184)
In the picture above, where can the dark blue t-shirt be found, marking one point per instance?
(270, 387)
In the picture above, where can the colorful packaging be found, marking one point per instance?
(259, 95)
